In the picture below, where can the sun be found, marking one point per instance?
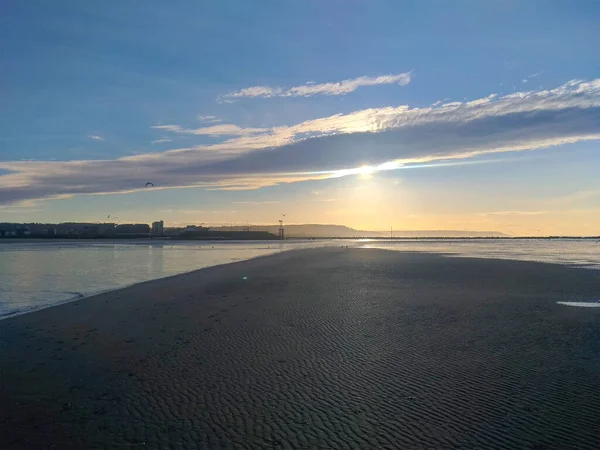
(365, 171)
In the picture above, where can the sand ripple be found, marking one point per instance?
(345, 349)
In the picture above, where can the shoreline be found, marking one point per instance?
(329, 347)
(81, 295)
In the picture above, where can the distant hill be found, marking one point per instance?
(320, 231)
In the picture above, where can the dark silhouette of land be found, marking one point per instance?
(71, 230)
(341, 231)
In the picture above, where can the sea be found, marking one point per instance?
(36, 275)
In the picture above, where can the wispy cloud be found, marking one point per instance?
(9, 210)
(225, 129)
(208, 119)
(95, 137)
(161, 141)
(391, 138)
(323, 200)
(533, 75)
(173, 128)
(22, 207)
(309, 89)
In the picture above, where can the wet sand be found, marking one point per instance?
(321, 348)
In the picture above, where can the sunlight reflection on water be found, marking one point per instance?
(40, 274)
(581, 253)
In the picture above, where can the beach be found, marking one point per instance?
(315, 348)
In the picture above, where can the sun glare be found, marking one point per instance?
(365, 171)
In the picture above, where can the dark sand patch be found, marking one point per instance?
(322, 348)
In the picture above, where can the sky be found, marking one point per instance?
(428, 115)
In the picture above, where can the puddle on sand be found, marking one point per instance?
(581, 304)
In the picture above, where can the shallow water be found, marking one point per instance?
(583, 253)
(34, 275)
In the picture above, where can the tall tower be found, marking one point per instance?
(281, 232)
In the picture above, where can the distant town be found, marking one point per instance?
(157, 230)
(83, 230)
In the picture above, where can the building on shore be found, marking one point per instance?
(82, 230)
(195, 229)
(132, 229)
(158, 228)
(85, 229)
(13, 230)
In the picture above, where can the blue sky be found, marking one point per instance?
(427, 115)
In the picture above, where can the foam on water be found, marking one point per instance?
(582, 304)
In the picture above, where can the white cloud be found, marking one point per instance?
(96, 137)
(22, 207)
(255, 91)
(533, 75)
(309, 89)
(9, 210)
(161, 141)
(324, 200)
(173, 128)
(390, 138)
(208, 119)
(225, 129)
